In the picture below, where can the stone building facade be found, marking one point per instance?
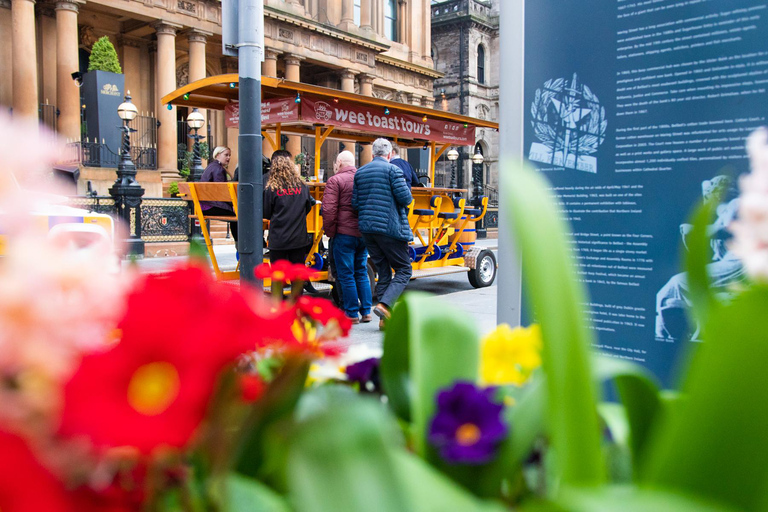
(465, 50)
(378, 48)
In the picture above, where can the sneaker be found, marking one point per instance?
(354, 320)
(381, 311)
(366, 318)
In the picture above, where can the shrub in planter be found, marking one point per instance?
(104, 57)
(103, 91)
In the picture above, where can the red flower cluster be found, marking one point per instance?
(323, 311)
(282, 270)
(152, 389)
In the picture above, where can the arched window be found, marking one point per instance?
(390, 20)
(480, 64)
(356, 12)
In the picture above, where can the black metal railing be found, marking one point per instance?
(145, 135)
(49, 116)
(492, 194)
(162, 219)
(92, 153)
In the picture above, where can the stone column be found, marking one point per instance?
(348, 85)
(197, 40)
(25, 101)
(366, 89)
(292, 73)
(428, 101)
(415, 99)
(269, 66)
(167, 160)
(67, 62)
(6, 53)
(366, 14)
(347, 15)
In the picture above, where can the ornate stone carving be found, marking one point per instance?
(285, 34)
(163, 27)
(68, 5)
(186, 6)
(198, 36)
(182, 75)
(87, 36)
(271, 54)
(291, 59)
(130, 41)
(44, 9)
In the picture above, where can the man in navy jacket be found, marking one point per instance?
(381, 198)
(411, 178)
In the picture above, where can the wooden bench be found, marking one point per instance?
(227, 192)
(223, 192)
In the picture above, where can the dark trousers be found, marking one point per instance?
(389, 254)
(297, 256)
(216, 210)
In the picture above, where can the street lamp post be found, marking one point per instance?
(195, 121)
(453, 155)
(126, 191)
(477, 178)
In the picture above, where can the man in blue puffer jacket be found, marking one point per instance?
(381, 198)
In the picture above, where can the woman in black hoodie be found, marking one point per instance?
(286, 205)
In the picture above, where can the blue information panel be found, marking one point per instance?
(636, 109)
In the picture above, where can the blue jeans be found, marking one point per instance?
(350, 259)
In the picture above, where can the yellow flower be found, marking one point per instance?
(509, 356)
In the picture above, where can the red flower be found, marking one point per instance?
(282, 270)
(152, 389)
(25, 485)
(323, 311)
(251, 387)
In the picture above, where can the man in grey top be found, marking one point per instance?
(381, 198)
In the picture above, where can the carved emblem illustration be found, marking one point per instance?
(569, 122)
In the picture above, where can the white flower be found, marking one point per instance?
(750, 232)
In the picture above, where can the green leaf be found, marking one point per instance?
(697, 258)
(640, 396)
(247, 495)
(340, 458)
(714, 445)
(276, 405)
(549, 274)
(197, 249)
(429, 491)
(625, 499)
(526, 419)
(428, 345)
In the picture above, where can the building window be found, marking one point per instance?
(390, 20)
(480, 64)
(356, 14)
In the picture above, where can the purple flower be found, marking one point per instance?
(365, 372)
(467, 426)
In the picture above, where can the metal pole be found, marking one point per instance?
(195, 173)
(251, 187)
(197, 165)
(512, 38)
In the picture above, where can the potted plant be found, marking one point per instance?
(103, 91)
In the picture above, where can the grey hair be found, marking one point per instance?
(395, 147)
(381, 147)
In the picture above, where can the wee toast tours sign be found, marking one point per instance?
(342, 114)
